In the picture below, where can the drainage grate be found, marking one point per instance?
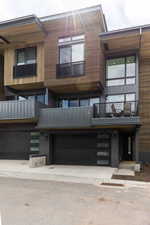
(113, 184)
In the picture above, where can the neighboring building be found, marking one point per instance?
(70, 89)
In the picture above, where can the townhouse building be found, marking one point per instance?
(74, 91)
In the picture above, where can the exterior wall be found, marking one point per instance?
(88, 24)
(28, 82)
(144, 110)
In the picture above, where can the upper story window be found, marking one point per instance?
(25, 64)
(26, 56)
(71, 56)
(121, 71)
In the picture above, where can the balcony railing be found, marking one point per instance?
(70, 69)
(19, 110)
(116, 109)
(26, 70)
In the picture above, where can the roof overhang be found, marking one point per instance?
(125, 40)
(11, 30)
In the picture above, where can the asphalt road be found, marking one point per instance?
(28, 202)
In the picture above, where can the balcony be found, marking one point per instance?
(17, 111)
(73, 69)
(27, 70)
(107, 114)
(116, 113)
(77, 117)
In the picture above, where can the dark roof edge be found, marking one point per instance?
(18, 21)
(69, 13)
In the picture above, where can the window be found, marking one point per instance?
(34, 141)
(26, 56)
(121, 71)
(84, 102)
(74, 103)
(78, 102)
(39, 98)
(119, 100)
(71, 56)
(71, 49)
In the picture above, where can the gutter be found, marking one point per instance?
(126, 30)
(23, 21)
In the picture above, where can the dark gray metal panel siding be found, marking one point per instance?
(144, 157)
(116, 121)
(65, 118)
(13, 110)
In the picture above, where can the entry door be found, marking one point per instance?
(127, 153)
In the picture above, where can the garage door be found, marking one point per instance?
(14, 145)
(75, 149)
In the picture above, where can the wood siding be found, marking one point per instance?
(26, 82)
(144, 107)
(88, 24)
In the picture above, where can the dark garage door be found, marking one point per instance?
(75, 149)
(14, 145)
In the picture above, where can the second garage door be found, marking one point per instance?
(75, 149)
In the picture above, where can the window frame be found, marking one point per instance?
(125, 77)
(70, 43)
(124, 94)
(25, 55)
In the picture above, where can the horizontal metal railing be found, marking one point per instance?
(18, 110)
(115, 109)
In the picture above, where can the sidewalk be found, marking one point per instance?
(73, 174)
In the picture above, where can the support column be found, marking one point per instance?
(45, 145)
(115, 149)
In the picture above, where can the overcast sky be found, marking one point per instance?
(119, 13)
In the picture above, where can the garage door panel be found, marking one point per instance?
(75, 149)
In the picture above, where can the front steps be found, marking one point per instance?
(130, 165)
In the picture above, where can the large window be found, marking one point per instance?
(78, 102)
(118, 102)
(41, 98)
(25, 63)
(71, 56)
(26, 56)
(121, 71)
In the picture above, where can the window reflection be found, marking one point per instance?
(121, 71)
(83, 102)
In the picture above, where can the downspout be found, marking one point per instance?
(40, 25)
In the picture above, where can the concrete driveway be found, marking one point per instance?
(33, 202)
(83, 174)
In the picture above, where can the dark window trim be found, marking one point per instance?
(26, 74)
(58, 76)
(127, 93)
(25, 49)
(78, 98)
(70, 45)
(71, 41)
(125, 77)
